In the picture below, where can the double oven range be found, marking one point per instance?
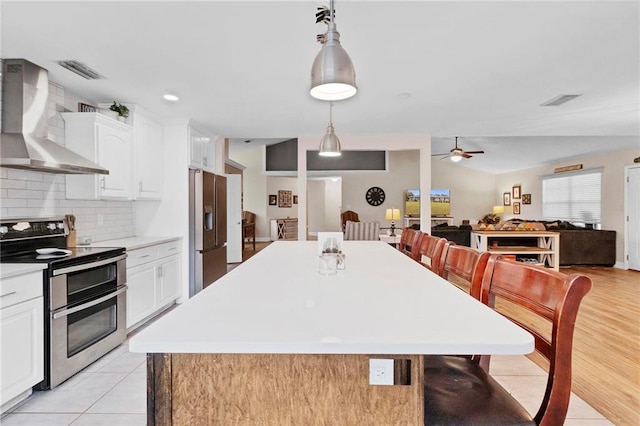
(84, 294)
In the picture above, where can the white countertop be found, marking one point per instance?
(12, 269)
(133, 243)
(382, 303)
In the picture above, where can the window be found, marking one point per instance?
(572, 197)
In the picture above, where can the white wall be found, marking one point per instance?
(317, 212)
(613, 164)
(403, 174)
(29, 194)
(420, 143)
(332, 205)
(275, 184)
(472, 191)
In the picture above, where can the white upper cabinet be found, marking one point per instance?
(201, 150)
(107, 142)
(147, 158)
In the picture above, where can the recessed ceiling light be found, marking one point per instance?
(170, 97)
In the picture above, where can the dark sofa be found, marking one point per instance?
(578, 246)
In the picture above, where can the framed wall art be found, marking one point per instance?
(284, 198)
(516, 208)
(273, 200)
(506, 199)
(516, 191)
(526, 198)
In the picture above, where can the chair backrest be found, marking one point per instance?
(549, 295)
(410, 242)
(431, 248)
(248, 217)
(346, 216)
(362, 231)
(465, 263)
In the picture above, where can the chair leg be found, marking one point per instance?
(254, 242)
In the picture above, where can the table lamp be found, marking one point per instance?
(392, 214)
(498, 210)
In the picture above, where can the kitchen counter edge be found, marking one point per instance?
(134, 243)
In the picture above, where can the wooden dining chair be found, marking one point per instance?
(430, 251)
(457, 391)
(410, 242)
(348, 215)
(463, 267)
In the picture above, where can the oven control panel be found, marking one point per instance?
(18, 229)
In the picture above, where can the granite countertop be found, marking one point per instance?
(8, 270)
(133, 243)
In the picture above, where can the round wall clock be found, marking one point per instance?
(375, 196)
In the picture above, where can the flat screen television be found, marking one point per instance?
(440, 202)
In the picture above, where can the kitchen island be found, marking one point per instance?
(275, 342)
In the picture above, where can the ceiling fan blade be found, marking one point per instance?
(474, 152)
(466, 155)
(445, 153)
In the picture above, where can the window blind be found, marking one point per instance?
(574, 197)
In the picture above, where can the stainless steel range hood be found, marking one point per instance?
(23, 141)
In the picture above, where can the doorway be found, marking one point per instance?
(324, 203)
(632, 217)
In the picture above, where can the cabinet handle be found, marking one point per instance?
(102, 184)
(140, 186)
(172, 248)
(8, 294)
(146, 255)
(204, 160)
(160, 272)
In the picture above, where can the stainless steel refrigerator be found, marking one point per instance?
(207, 229)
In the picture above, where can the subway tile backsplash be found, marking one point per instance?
(26, 194)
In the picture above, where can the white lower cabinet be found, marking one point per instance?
(153, 277)
(21, 337)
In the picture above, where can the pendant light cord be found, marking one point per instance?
(331, 113)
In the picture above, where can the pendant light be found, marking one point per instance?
(330, 144)
(333, 77)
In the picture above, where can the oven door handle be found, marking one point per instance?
(65, 312)
(88, 265)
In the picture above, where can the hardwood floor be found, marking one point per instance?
(606, 345)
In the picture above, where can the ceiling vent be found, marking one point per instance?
(81, 69)
(559, 100)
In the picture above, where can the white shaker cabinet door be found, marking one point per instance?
(169, 280)
(148, 158)
(114, 153)
(141, 294)
(22, 341)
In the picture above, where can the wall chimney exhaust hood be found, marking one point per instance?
(23, 141)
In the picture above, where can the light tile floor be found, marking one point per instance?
(112, 392)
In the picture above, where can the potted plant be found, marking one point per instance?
(122, 110)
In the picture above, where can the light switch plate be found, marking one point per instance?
(380, 371)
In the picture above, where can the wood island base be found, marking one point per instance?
(280, 389)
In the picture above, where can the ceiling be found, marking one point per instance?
(478, 70)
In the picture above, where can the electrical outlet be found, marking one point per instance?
(380, 371)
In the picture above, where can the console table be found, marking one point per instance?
(547, 249)
(284, 229)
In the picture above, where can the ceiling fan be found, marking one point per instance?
(457, 154)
